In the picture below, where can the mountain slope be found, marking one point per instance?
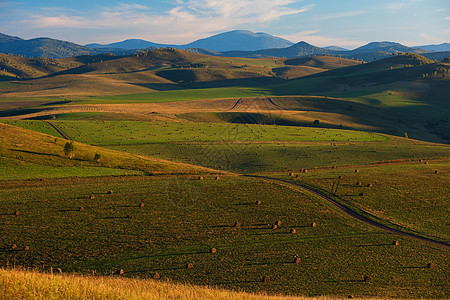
(389, 47)
(240, 40)
(129, 45)
(436, 48)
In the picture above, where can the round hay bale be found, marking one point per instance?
(297, 260)
(293, 231)
(213, 250)
(358, 183)
(26, 248)
(81, 209)
(265, 279)
(237, 224)
(278, 223)
(426, 163)
(110, 192)
(274, 226)
(367, 278)
(361, 194)
(258, 202)
(430, 265)
(16, 213)
(395, 243)
(356, 171)
(420, 160)
(119, 272)
(313, 224)
(291, 174)
(341, 177)
(155, 275)
(436, 172)
(13, 246)
(58, 270)
(369, 185)
(217, 178)
(297, 176)
(91, 197)
(200, 178)
(141, 204)
(305, 171)
(128, 216)
(334, 167)
(189, 266)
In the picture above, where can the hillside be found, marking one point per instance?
(21, 148)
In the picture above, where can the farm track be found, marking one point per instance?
(58, 130)
(348, 211)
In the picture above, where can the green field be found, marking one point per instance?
(409, 196)
(184, 217)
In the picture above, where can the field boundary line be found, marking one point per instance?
(352, 213)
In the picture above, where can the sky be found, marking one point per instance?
(345, 23)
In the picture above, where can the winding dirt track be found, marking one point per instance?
(354, 214)
(57, 130)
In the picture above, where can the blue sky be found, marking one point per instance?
(349, 24)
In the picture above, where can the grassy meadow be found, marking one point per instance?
(154, 183)
(183, 218)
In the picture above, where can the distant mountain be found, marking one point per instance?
(300, 49)
(436, 48)
(129, 45)
(336, 48)
(389, 47)
(49, 48)
(240, 40)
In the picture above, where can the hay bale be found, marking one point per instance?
(293, 231)
(356, 171)
(426, 163)
(367, 278)
(297, 176)
(13, 246)
(58, 270)
(155, 275)
(430, 265)
(341, 177)
(110, 192)
(265, 279)
(313, 224)
(420, 160)
(16, 213)
(361, 194)
(395, 243)
(237, 224)
(141, 204)
(217, 178)
(26, 248)
(91, 197)
(274, 226)
(81, 209)
(128, 216)
(358, 183)
(200, 178)
(278, 223)
(436, 172)
(369, 185)
(258, 202)
(291, 174)
(189, 266)
(119, 272)
(305, 171)
(297, 260)
(213, 250)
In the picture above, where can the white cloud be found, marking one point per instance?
(341, 15)
(189, 20)
(397, 5)
(447, 18)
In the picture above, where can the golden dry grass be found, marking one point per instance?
(20, 284)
